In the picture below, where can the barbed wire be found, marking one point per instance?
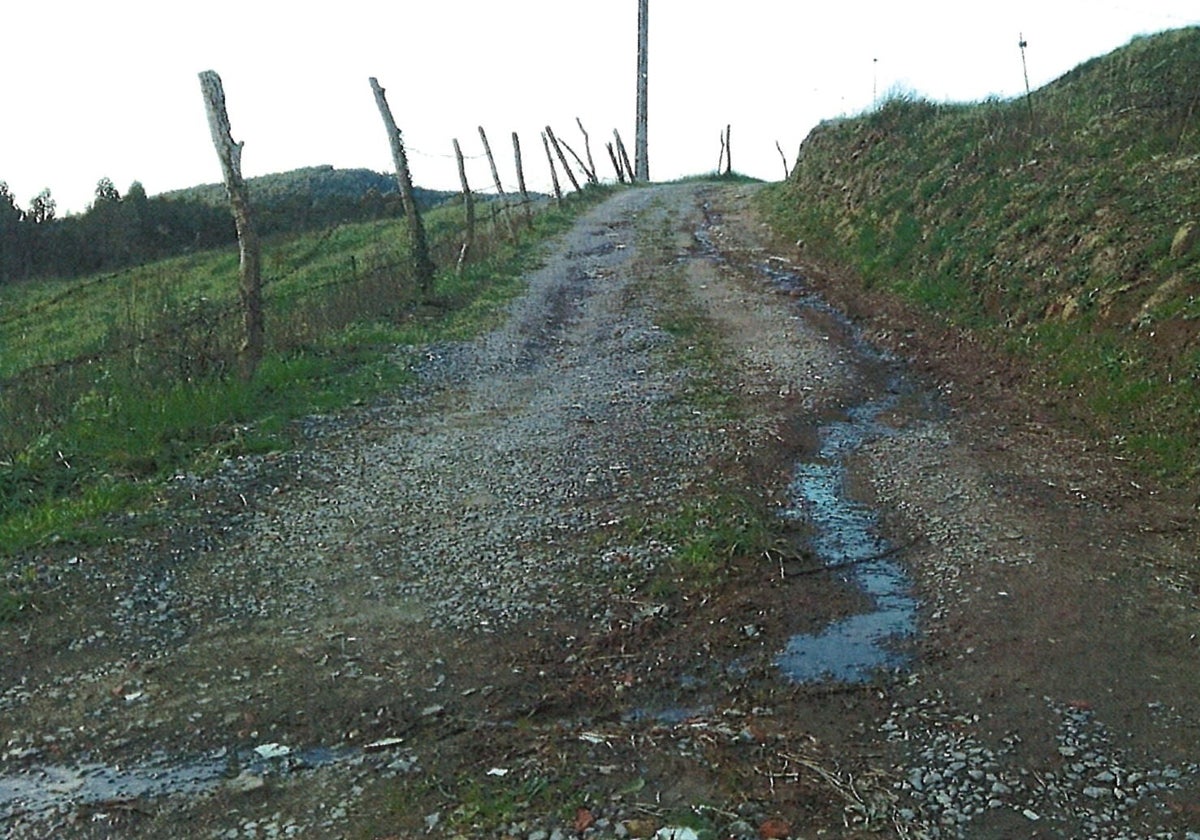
(212, 314)
(11, 317)
(441, 156)
(85, 286)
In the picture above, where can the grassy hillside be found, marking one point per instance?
(110, 383)
(314, 185)
(1062, 228)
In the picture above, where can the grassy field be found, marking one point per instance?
(109, 384)
(1062, 229)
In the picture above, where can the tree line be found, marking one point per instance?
(118, 230)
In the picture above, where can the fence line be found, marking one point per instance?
(196, 337)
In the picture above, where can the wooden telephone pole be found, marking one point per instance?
(640, 144)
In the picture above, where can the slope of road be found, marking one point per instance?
(479, 608)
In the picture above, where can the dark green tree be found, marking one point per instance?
(40, 253)
(106, 192)
(42, 208)
(136, 211)
(11, 244)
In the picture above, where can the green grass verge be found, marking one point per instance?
(89, 439)
(723, 520)
(1058, 234)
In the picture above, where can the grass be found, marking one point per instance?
(475, 806)
(722, 521)
(717, 178)
(710, 532)
(1050, 239)
(113, 383)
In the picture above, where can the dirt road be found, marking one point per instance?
(480, 609)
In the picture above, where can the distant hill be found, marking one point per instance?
(1064, 228)
(316, 184)
(118, 231)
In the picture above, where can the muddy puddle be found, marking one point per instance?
(845, 531)
(845, 537)
(846, 541)
(41, 791)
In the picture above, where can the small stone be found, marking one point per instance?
(641, 827)
(675, 832)
(245, 782)
(1184, 240)
(1032, 816)
(272, 750)
(775, 829)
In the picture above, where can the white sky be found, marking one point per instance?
(110, 89)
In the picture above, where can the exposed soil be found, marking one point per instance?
(461, 612)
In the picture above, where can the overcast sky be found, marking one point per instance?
(110, 89)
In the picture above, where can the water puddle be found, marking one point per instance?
(856, 648)
(40, 791)
(846, 539)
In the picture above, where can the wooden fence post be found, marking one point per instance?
(591, 176)
(521, 181)
(553, 173)
(786, 172)
(587, 148)
(562, 158)
(728, 151)
(469, 204)
(249, 251)
(624, 155)
(612, 155)
(512, 227)
(423, 265)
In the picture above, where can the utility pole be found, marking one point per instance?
(640, 150)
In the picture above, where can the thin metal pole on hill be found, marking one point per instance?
(1022, 43)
